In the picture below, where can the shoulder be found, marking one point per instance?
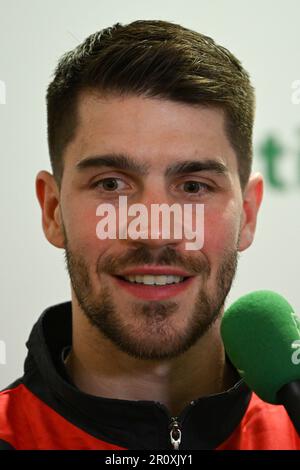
(12, 403)
(264, 427)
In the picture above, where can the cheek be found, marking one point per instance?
(221, 229)
(80, 226)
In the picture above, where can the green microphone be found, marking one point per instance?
(261, 335)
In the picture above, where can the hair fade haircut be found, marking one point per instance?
(152, 59)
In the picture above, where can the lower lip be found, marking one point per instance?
(145, 292)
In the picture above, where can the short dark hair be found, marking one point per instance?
(152, 58)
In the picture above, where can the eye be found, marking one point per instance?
(195, 187)
(110, 184)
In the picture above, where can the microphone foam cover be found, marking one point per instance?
(261, 335)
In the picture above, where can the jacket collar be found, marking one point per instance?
(205, 423)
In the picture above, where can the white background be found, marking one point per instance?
(264, 35)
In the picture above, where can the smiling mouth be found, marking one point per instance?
(153, 280)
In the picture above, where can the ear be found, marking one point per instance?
(47, 192)
(252, 197)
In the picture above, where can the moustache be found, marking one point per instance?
(142, 255)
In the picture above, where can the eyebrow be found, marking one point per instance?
(193, 166)
(118, 161)
(127, 163)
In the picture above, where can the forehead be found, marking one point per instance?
(156, 131)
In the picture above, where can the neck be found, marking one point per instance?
(97, 367)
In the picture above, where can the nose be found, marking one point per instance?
(155, 220)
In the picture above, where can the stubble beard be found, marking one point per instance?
(150, 333)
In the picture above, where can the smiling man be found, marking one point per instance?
(158, 114)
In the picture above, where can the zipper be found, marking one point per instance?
(176, 422)
(175, 433)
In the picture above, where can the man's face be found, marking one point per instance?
(150, 321)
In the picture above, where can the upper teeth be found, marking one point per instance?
(152, 280)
